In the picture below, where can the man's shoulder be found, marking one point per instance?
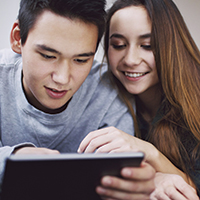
(98, 78)
(98, 69)
(8, 57)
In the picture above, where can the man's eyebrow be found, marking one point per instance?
(46, 48)
(86, 54)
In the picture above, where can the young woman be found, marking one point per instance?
(153, 58)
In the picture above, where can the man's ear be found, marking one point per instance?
(15, 39)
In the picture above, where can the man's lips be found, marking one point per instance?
(56, 94)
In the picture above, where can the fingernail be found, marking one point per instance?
(127, 172)
(100, 190)
(106, 181)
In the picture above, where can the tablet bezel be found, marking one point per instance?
(73, 176)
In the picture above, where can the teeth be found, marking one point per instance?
(134, 75)
(54, 90)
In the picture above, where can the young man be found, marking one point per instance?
(50, 95)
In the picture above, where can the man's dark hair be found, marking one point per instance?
(89, 11)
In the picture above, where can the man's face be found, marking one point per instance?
(57, 57)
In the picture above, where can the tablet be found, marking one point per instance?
(62, 177)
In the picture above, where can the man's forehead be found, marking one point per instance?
(58, 34)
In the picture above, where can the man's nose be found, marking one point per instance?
(61, 74)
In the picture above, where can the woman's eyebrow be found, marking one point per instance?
(116, 35)
(143, 36)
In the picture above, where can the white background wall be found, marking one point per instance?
(190, 10)
(8, 14)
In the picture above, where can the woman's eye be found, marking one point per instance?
(146, 47)
(47, 56)
(118, 47)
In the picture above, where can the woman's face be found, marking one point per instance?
(130, 55)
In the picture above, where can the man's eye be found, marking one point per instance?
(146, 47)
(47, 56)
(81, 60)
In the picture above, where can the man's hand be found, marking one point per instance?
(136, 184)
(34, 150)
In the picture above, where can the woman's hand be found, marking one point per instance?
(113, 140)
(171, 186)
(137, 183)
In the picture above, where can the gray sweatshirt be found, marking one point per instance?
(96, 104)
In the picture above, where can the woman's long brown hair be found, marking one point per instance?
(178, 66)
